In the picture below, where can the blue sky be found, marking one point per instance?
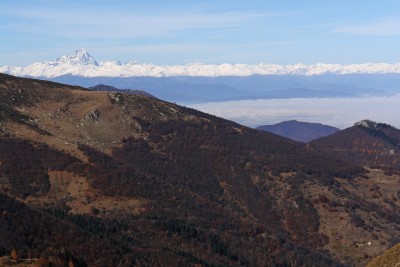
(211, 31)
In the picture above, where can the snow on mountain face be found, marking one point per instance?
(81, 63)
(79, 57)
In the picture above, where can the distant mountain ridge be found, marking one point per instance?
(299, 131)
(199, 83)
(104, 87)
(83, 64)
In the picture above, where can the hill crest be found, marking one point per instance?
(299, 131)
(367, 142)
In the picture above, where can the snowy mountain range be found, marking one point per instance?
(199, 83)
(82, 64)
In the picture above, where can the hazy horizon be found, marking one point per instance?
(338, 112)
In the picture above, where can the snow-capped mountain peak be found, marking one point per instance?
(79, 57)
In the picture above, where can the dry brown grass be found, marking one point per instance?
(390, 258)
(77, 194)
(348, 243)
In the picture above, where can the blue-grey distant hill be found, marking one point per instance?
(189, 89)
(300, 131)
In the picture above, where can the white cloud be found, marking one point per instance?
(341, 113)
(378, 27)
(100, 23)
